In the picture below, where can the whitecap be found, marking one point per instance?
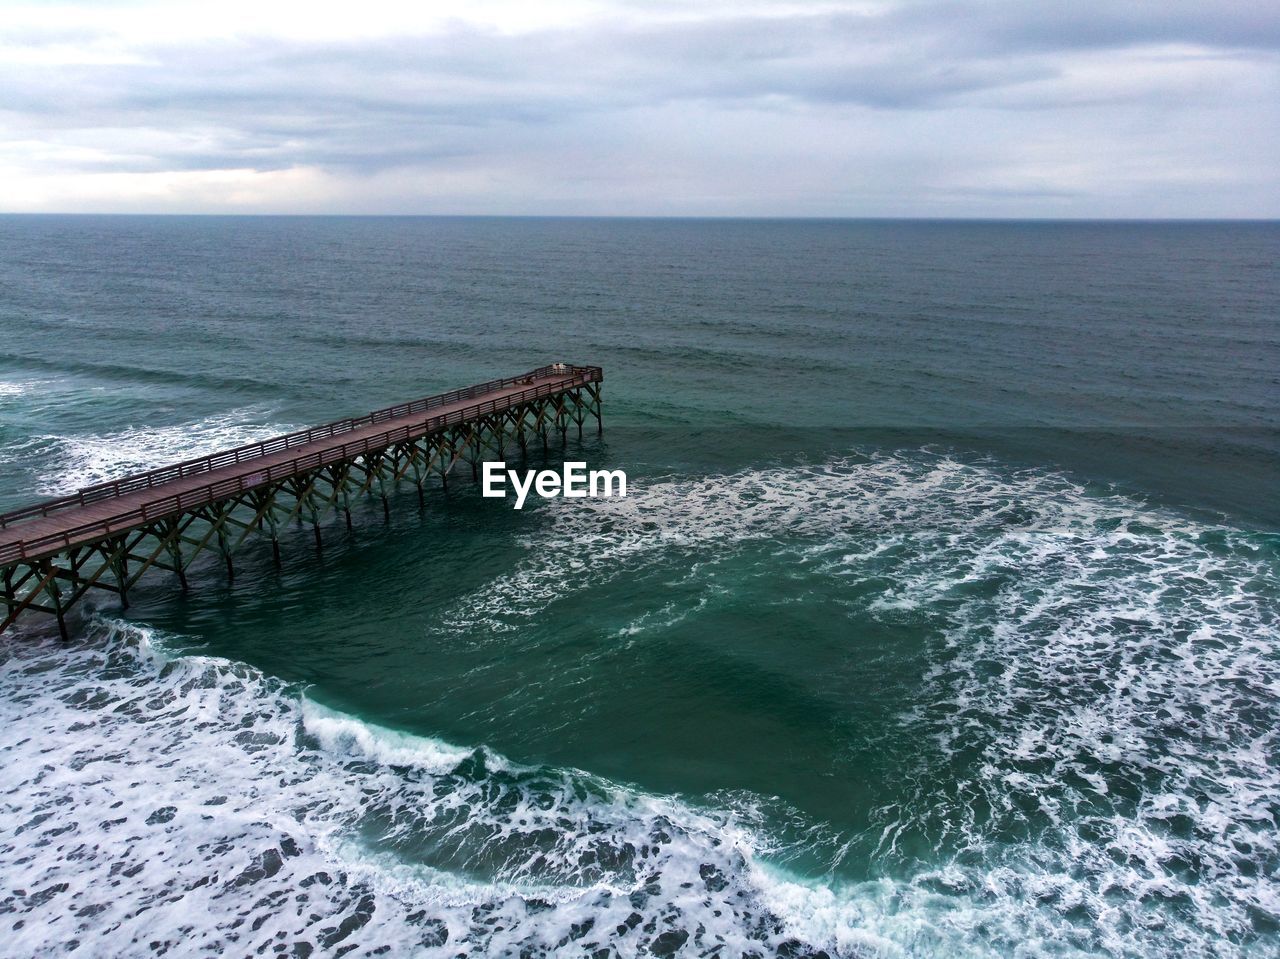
(196, 804)
(76, 461)
(1106, 673)
(1104, 678)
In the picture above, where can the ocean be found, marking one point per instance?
(942, 618)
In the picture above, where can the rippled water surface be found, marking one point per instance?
(942, 619)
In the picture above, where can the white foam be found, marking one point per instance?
(83, 460)
(1104, 681)
(198, 804)
(1098, 664)
(346, 735)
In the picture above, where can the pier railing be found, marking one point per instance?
(566, 377)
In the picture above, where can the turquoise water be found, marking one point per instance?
(941, 620)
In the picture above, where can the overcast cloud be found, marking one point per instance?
(961, 108)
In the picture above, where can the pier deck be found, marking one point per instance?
(90, 538)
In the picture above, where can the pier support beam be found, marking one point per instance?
(55, 595)
(119, 563)
(174, 548)
(275, 538)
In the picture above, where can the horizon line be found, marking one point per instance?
(654, 216)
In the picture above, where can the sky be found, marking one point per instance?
(960, 108)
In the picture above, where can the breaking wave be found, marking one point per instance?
(1101, 712)
(11, 388)
(69, 463)
(133, 783)
(1099, 771)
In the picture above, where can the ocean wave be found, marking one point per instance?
(10, 388)
(69, 463)
(135, 782)
(1097, 774)
(1099, 717)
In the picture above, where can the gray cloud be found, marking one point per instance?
(972, 107)
(1104, 25)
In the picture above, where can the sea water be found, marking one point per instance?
(940, 618)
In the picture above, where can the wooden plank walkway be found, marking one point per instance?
(109, 508)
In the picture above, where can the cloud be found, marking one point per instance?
(959, 108)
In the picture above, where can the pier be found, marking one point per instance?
(107, 536)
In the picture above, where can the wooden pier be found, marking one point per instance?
(108, 536)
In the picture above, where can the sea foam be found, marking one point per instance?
(71, 462)
(1098, 768)
(193, 805)
(1105, 685)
